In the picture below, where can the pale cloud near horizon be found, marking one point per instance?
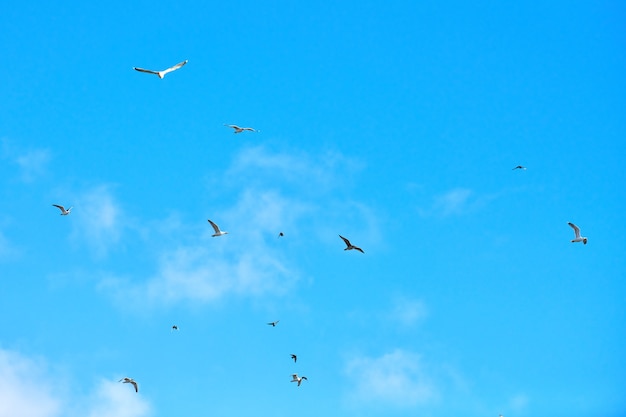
(29, 387)
(398, 379)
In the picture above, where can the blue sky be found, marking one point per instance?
(395, 124)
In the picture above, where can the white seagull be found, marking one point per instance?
(161, 74)
(129, 381)
(241, 129)
(577, 237)
(218, 232)
(350, 246)
(64, 211)
(520, 167)
(298, 379)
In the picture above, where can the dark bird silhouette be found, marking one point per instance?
(273, 323)
(350, 246)
(294, 357)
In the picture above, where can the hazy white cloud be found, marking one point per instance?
(408, 312)
(453, 202)
(114, 399)
(30, 388)
(519, 402)
(97, 219)
(313, 173)
(31, 163)
(397, 379)
(25, 388)
(243, 263)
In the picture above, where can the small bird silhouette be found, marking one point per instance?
(519, 167)
(350, 246)
(64, 211)
(298, 379)
(281, 234)
(273, 323)
(241, 129)
(174, 327)
(294, 357)
(127, 380)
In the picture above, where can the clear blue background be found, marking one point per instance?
(395, 124)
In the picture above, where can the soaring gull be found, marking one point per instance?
(520, 167)
(127, 380)
(577, 237)
(241, 129)
(298, 379)
(161, 74)
(64, 211)
(350, 246)
(273, 323)
(218, 232)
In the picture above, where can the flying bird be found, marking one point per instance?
(577, 237)
(129, 381)
(161, 74)
(350, 246)
(298, 379)
(520, 167)
(218, 232)
(294, 357)
(273, 323)
(174, 327)
(241, 129)
(64, 211)
(281, 234)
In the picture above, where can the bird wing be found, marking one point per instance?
(174, 68)
(217, 229)
(346, 241)
(249, 128)
(59, 207)
(134, 385)
(146, 70)
(305, 378)
(576, 229)
(357, 248)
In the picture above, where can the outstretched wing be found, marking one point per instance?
(576, 229)
(59, 207)
(346, 241)
(175, 67)
(146, 70)
(217, 229)
(357, 248)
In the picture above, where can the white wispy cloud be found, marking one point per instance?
(25, 388)
(112, 399)
(408, 312)
(31, 163)
(97, 219)
(242, 263)
(246, 262)
(29, 387)
(398, 379)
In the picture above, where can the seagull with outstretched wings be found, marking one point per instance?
(350, 246)
(162, 73)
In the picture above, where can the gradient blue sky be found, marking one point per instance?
(396, 124)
